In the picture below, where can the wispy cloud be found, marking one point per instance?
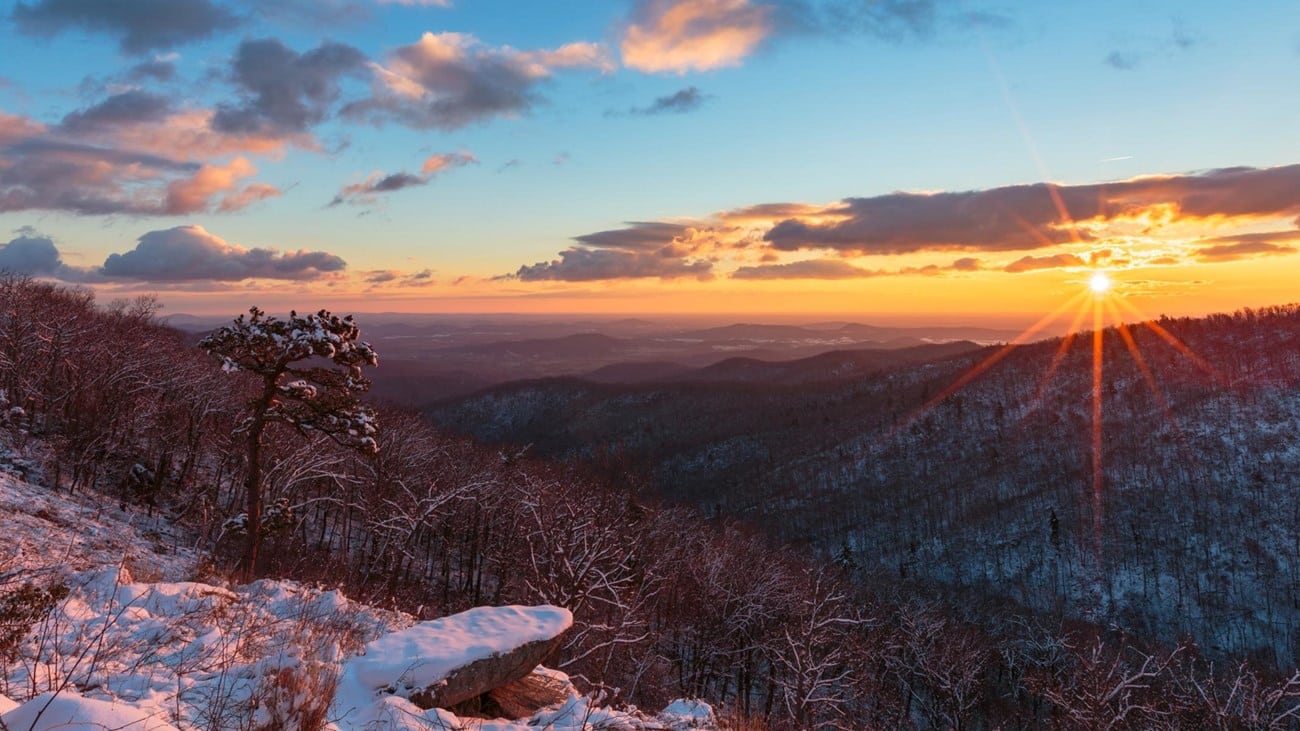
(680, 102)
(366, 191)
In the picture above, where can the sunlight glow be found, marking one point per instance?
(1100, 283)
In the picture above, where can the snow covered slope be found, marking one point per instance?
(108, 651)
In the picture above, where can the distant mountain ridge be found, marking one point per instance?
(987, 493)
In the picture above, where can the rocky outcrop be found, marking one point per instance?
(446, 661)
(487, 674)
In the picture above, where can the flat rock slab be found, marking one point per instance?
(449, 660)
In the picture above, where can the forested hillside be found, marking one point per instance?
(988, 493)
(106, 406)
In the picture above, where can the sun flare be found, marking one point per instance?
(1099, 283)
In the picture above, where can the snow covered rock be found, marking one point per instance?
(69, 711)
(446, 661)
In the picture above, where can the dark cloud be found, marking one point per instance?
(680, 103)
(642, 249)
(584, 265)
(128, 108)
(30, 254)
(285, 92)
(809, 269)
(365, 191)
(295, 14)
(967, 264)
(1053, 261)
(1024, 217)
(47, 174)
(450, 80)
(140, 25)
(1242, 250)
(686, 100)
(422, 278)
(638, 236)
(190, 253)
(152, 71)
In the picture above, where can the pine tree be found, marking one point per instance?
(311, 398)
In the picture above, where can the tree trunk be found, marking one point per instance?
(253, 485)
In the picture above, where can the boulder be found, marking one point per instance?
(526, 696)
(447, 661)
(485, 675)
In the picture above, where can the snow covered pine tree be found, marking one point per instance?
(315, 399)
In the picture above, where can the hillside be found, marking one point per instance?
(987, 497)
(114, 422)
(85, 641)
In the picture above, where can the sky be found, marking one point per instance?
(953, 159)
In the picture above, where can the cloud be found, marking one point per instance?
(451, 80)
(583, 265)
(140, 25)
(686, 100)
(678, 36)
(1023, 217)
(34, 255)
(1138, 50)
(394, 277)
(364, 192)
(808, 269)
(125, 109)
(46, 172)
(31, 255)
(14, 128)
(156, 70)
(297, 14)
(841, 269)
(638, 236)
(1053, 261)
(285, 93)
(642, 250)
(191, 253)
(196, 193)
(420, 3)
(1245, 248)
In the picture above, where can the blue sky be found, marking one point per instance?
(585, 116)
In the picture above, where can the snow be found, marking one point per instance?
(422, 655)
(50, 532)
(74, 712)
(118, 652)
(684, 713)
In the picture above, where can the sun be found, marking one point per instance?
(1099, 283)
